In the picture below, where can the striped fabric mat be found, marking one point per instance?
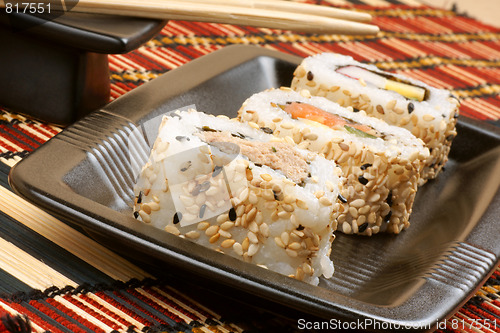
(62, 281)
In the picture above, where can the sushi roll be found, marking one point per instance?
(381, 163)
(240, 191)
(427, 112)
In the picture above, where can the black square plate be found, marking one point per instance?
(412, 281)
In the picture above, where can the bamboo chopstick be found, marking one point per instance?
(258, 13)
(293, 7)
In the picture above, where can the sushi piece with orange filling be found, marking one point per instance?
(382, 163)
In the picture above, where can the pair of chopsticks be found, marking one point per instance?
(275, 14)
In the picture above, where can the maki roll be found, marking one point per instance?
(427, 112)
(240, 191)
(381, 163)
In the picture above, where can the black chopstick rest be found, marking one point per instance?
(57, 71)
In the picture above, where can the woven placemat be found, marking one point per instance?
(65, 282)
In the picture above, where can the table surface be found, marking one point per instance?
(63, 281)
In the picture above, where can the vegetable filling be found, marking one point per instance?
(312, 113)
(386, 82)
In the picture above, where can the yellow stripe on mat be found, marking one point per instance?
(30, 270)
(68, 238)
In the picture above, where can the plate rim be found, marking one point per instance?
(49, 201)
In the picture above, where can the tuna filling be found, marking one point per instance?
(276, 155)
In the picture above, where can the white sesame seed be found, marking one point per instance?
(203, 225)
(357, 203)
(172, 229)
(225, 234)
(212, 230)
(301, 204)
(428, 117)
(325, 201)
(305, 93)
(346, 228)
(214, 238)
(253, 125)
(238, 249)
(288, 208)
(252, 237)
(252, 214)
(228, 243)
(285, 237)
(252, 249)
(146, 218)
(279, 242)
(268, 194)
(254, 227)
(289, 199)
(259, 218)
(193, 234)
(264, 229)
(267, 177)
(222, 218)
(291, 253)
(284, 215)
(146, 208)
(295, 246)
(212, 191)
(227, 225)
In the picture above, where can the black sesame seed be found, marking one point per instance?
(363, 227)
(202, 210)
(238, 135)
(136, 214)
(208, 129)
(355, 110)
(341, 198)
(188, 165)
(258, 165)
(389, 199)
(276, 197)
(387, 218)
(456, 115)
(430, 150)
(232, 214)
(204, 186)
(363, 180)
(267, 130)
(177, 217)
(181, 138)
(196, 190)
(310, 76)
(217, 170)
(365, 166)
(300, 227)
(411, 107)
(200, 188)
(139, 197)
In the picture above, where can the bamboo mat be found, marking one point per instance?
(63, 281)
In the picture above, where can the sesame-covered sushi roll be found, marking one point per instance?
(242, 192)
(382, 163)
(429, 113)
